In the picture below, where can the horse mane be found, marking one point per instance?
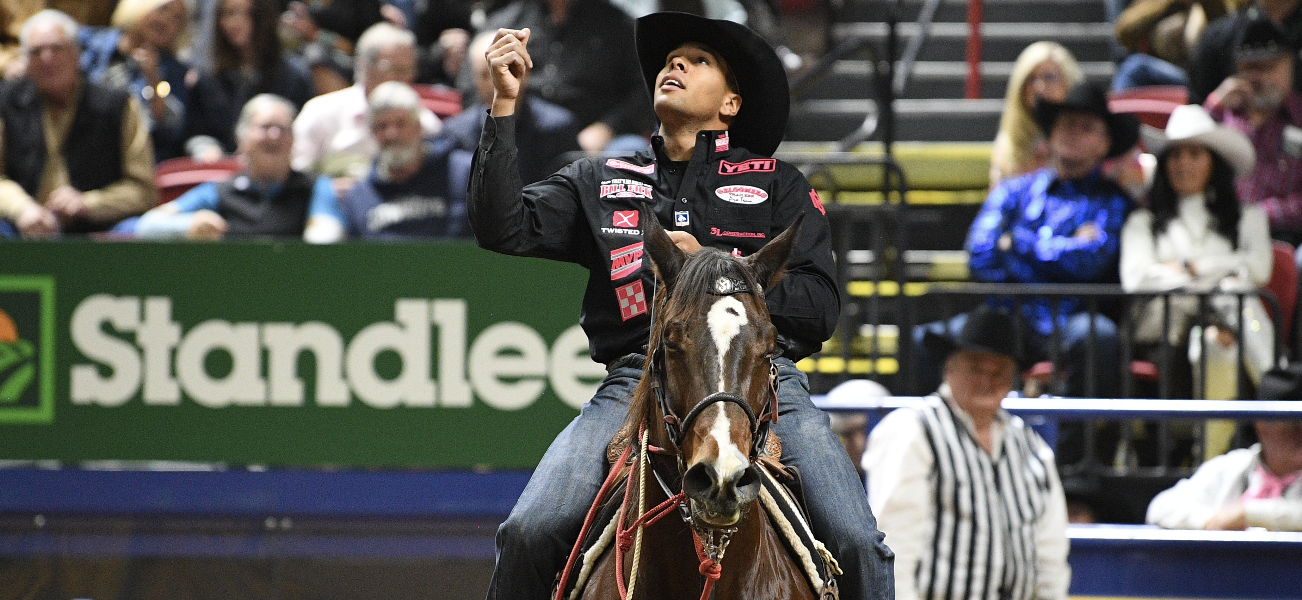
(692, 288)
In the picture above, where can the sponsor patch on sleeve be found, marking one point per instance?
(625, 261)
(754, 165)
(631, 299)
(628, 166)
(624, 188)
(818, 202)
(741, 194)
(623, 222)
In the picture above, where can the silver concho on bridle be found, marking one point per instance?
(727, 286)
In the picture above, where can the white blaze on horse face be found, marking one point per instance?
(731, 461)
(726, 318)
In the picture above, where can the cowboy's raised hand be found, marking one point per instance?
(509, 61)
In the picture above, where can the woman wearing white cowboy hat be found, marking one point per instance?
(1195, 234)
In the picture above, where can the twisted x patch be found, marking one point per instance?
(623, 222)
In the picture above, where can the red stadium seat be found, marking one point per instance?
(176, 176)
(1152, 105)
(1283, 284)
(439, 99)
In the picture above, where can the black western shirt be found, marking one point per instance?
(587, 213)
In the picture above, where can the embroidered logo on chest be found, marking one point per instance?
(741, 194)
(754, 165)
(624, 188)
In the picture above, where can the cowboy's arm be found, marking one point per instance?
(539, 221)
(805, 306)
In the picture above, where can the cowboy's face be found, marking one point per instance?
(979, 380)
(692, 84)
(1188, 168)
(1079, 140)
(1269, 78)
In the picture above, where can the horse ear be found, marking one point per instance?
(666, 257)
(770, 263)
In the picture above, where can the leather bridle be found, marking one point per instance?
(675, 426)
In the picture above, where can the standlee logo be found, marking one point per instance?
(26, 347)
(17, 363)
(135, 349)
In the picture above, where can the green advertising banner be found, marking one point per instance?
(286, 354)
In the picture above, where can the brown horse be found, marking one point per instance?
(687, 525)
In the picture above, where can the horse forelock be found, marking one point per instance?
(691, 294)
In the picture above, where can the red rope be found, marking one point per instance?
(587, 521)
(710, 568)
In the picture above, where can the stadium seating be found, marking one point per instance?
(439, 99)
(175, 176)
(1152, 105)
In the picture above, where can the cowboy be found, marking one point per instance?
(1061, 224)
(967, 494)
(721, 96)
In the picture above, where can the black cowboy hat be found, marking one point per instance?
(1260, 39)
(1282, 383)
(1123, 129)
(765, 95)
(987, 331)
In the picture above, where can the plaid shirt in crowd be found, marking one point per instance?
(1276, 183)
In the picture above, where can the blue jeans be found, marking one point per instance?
(1139, 70)
(536, 538)
(1073, 353)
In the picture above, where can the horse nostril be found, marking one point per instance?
(698, 481)
(748, 486)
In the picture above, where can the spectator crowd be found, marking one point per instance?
(98, 94)
(345, 121)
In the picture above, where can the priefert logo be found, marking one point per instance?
(508, 366)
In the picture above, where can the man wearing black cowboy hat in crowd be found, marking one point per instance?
(949, 480)
(1061, 224)
(1260, 486)
(721, 96)
(1260, 102)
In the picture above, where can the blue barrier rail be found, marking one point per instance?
(1096, 408)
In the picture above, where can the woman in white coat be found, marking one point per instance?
(1195, 235)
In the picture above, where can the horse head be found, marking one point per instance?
(712, 345)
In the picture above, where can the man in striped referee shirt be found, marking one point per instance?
(967, 494)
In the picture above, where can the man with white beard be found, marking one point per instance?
(406, 194)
